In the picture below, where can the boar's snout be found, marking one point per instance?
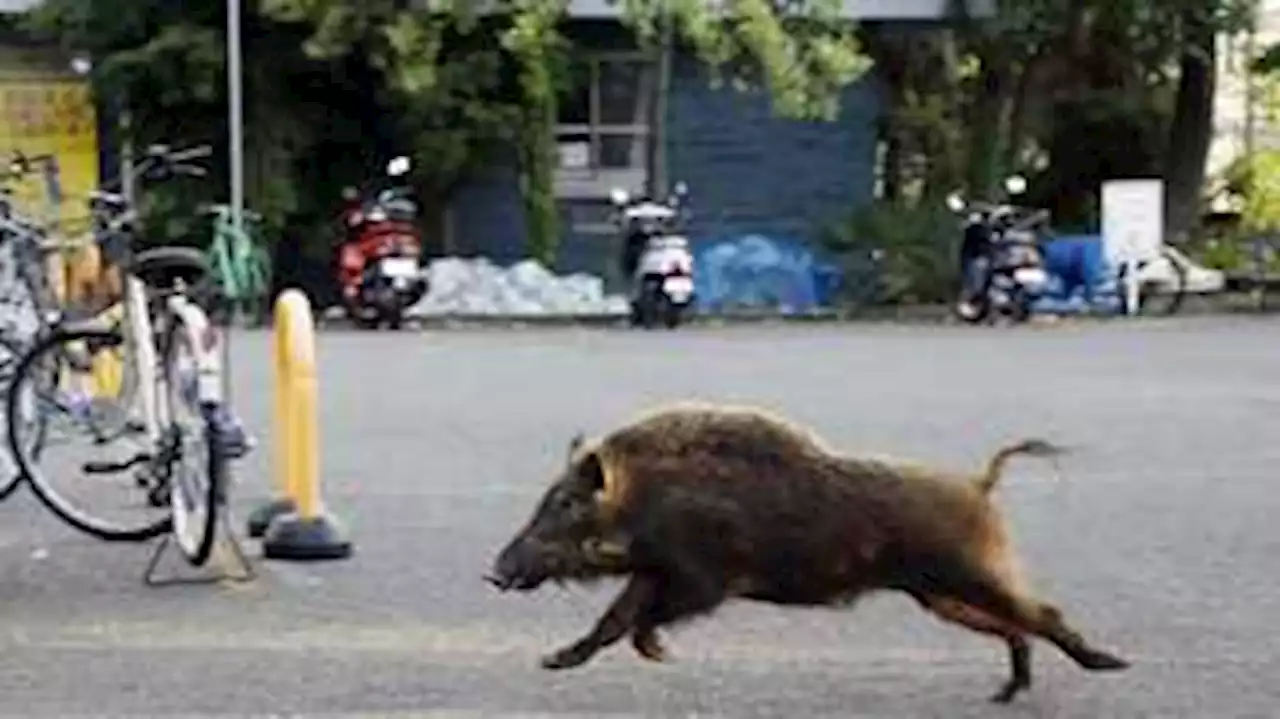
(518, 567)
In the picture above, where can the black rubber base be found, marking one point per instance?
(318, 538)
(262, 517)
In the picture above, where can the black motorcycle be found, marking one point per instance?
(1003, 268)
(657, 258)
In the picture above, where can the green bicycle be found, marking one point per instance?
(241, 265)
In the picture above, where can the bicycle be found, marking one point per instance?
(31, 306)
(1162, 284)
(179, 368)
(241, 265)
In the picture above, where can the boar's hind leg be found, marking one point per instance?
(979, 621)
(990, 595)
(617, 622)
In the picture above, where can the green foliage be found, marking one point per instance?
(920, 246)
(445, 66)
(165, 63)
(805, 52)
(533, 40)
(1070, 90)
(1255, 180)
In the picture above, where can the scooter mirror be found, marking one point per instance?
(618, 196)
(1015, 184)
(955, 202)
(398, 166)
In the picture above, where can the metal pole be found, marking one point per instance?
(235, 117)
(126, 152)
(235, 126)
(658, 168)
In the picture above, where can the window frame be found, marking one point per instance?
(594, 182)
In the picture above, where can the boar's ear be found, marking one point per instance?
(595, 472)
(575, 444)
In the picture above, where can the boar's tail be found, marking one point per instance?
(988, 480)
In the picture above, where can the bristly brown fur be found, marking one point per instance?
(700, 503)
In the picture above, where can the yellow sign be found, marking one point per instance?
(51, 117)
(55, 116)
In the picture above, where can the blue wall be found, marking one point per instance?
(751, 172)
(488, 216)
(748, 172)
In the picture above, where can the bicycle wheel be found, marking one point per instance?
(1161, 296)
(198, 470)
(31, 427)
(50, 378)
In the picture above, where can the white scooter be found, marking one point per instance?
(662, 284)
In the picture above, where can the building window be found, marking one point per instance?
(603, 133)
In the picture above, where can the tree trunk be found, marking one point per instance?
(888, 53)
(988, 127)
(1191, 131)
(1019, 113)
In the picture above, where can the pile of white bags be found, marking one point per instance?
(458, 286)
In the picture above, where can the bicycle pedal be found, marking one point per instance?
(114, 467)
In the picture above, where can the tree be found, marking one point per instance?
(164, 64)
(1073, 91)
(449, 65)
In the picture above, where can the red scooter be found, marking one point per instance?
(380, 260)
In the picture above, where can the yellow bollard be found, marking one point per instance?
(107, 374)
(107, 369)
(295, 524)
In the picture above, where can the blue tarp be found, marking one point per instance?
(757, 271)
(768, 272)
(1081, 276)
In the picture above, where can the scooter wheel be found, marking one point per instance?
(971, 312)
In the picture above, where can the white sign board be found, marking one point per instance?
(1132, 220)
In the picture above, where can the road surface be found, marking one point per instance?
(1160, 537)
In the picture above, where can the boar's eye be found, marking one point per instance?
(564, 501)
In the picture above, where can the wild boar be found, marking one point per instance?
(698, 504)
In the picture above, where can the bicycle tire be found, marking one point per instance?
(196, 550)
(10, 484)
(48, 496)
(1145, 305)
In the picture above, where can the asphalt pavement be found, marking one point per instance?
(1159, 537)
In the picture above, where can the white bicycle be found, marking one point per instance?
(173, 350)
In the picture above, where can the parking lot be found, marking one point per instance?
(1159, 537)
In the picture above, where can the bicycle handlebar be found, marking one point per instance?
(161, 157)
(179, 162)
(120, 212)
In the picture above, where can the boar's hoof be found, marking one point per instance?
(567, 658)
(1100, 661)
(648, 646)
(1009, 691)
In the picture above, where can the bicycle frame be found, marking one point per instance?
(235, 255)
(198, 333)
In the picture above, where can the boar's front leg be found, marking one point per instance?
(617, 622)
(676, 599)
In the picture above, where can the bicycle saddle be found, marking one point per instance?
(161, 266)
